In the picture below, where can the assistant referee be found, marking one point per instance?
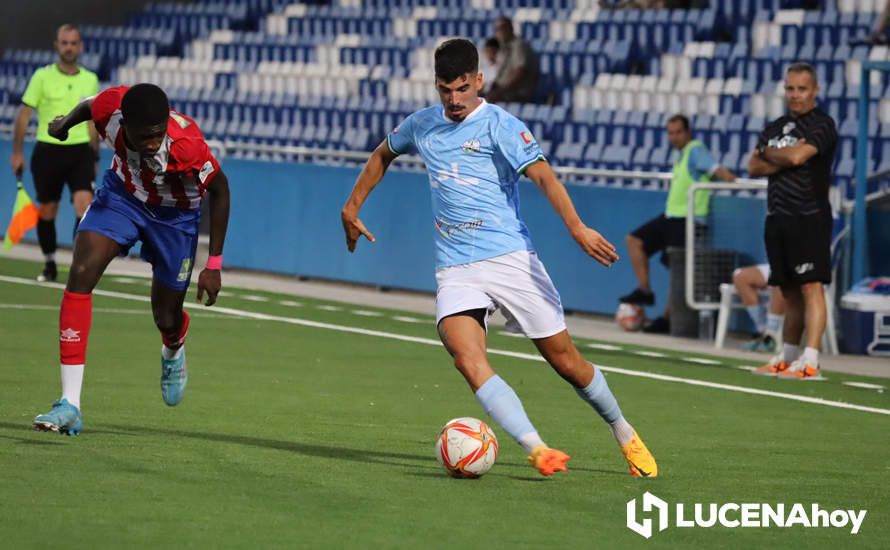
(797, 151)
(54, 90)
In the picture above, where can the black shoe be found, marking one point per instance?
(49, 273)
(639, 297)
(659, 325)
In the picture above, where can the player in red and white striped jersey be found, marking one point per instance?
(152, 193)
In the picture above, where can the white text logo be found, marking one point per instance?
(732, 515)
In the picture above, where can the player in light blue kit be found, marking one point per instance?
(475, 153)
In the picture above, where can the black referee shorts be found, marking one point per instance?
(54, 165)
(658, 234)
(799, 248)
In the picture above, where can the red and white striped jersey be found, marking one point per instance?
(157, 180)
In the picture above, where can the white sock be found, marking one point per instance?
(811, 355)
(623, 431)
(758, 315)
(790, 352)
(774, 324)
(72, 381)
(530, 441)
(169, 354)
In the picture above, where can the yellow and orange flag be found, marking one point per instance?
(24, 217)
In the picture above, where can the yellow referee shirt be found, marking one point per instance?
(52, 93)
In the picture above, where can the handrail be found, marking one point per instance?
(740, 184)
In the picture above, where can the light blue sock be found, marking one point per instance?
(502, 404)
(600, 397)
(758, 315)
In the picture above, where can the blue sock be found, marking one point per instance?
(600, 397)
(502, 404)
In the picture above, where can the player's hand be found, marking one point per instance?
(57, 129)
(17, 161)
(210, 281)
(596, 246)
(353, 227)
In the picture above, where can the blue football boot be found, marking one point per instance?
(174, 377)
(64, 418)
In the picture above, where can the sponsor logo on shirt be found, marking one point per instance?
(448, 229)
(471, 146)
(784, 141)
(788, 127)
(206, 170)
(527, 137)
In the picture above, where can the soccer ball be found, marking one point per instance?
(629, 317)
(466, 447)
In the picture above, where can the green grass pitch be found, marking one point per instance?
(293, 435)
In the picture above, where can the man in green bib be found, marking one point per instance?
(55, 90)
(694, 164)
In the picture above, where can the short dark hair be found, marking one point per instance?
(456, 57)
(492, 42)
(801, 67)
(681, 119)
(145, 105)
(68, 27)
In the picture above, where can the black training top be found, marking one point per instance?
(804, 189)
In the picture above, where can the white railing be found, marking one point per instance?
(740, 184)
(221, 149)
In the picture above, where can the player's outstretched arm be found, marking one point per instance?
(209, 280)
(590, 241)
(60, 125)
(369, 177)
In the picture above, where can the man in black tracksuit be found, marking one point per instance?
(796, 151)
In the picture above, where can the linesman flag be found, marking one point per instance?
(24, 217)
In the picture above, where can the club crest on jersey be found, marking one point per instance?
(153, 164)
(527, 137)
(471, 146)
(788, 127)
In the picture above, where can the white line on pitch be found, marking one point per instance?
(646, 353)
(366, 313)
(515, 354)
(605, 347)
(702, 361)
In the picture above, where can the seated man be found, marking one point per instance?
(749, 281)
(693, 165)
(517, 76)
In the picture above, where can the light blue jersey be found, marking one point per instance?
(474, 169)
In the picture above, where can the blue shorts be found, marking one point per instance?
(169, 235)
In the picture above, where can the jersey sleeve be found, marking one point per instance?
(192, 155)
(34, 92)
(516, 143)
(822, 136)
(401, 140)
(701, 160)
(104, 105)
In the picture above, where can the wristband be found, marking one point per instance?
(214, 262)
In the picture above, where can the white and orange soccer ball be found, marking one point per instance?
(630, 317)
(466, 447)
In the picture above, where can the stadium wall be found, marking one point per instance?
(285, 219)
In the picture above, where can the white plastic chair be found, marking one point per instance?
(729, 301)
